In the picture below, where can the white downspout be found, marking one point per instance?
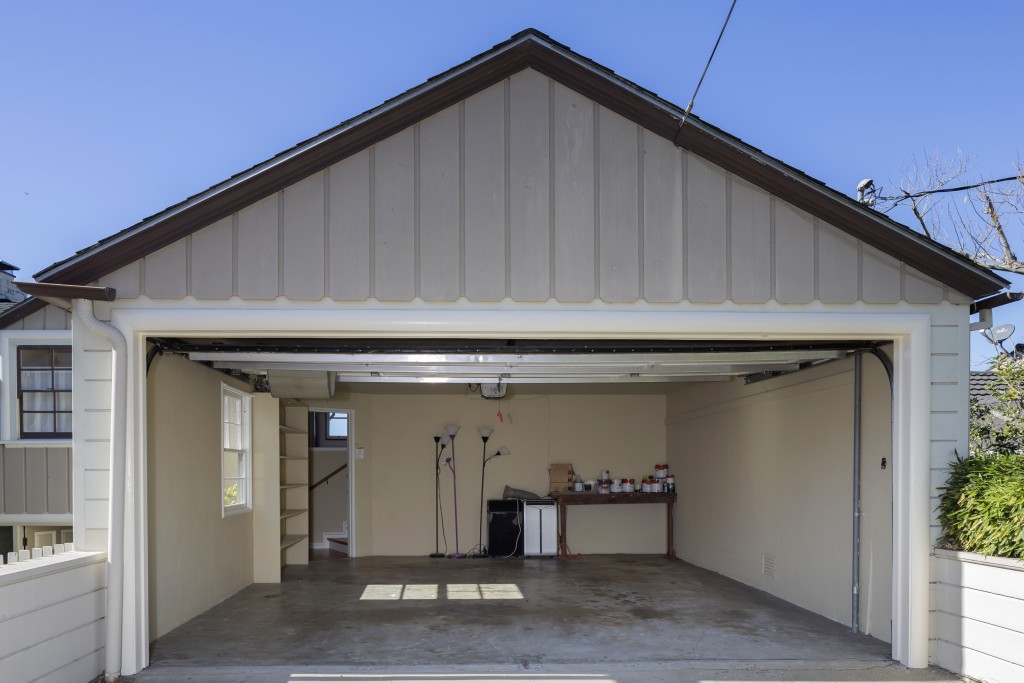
(115, 544)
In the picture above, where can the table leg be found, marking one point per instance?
(563, 549)
(670, 545)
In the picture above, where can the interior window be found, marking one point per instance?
(328, 430)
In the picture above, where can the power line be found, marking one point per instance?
(689, 107)
(924, 193)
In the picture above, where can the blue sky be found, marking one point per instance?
(114, 111)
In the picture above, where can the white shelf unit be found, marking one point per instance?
(293, 502)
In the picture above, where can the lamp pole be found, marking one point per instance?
(452, 431)
(438, 449)
(485, 434)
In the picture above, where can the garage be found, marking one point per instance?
(533, 227)
(760, 436)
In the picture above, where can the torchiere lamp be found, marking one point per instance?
(485, 434)
(452, 430)
(440, 441)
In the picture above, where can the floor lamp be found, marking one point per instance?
(450, 461)
(438, 449)
(485, 434)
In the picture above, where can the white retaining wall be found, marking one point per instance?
(978, 616)
(52, 618)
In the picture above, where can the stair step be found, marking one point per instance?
(339, 539)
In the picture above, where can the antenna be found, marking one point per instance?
(866, 192)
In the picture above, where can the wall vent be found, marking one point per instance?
(768, 566)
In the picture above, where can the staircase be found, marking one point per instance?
(337, 541)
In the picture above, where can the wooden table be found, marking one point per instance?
(567, 498)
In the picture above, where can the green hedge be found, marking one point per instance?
(982, 505)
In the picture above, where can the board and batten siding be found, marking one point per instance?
(35, 480)
(529, 192)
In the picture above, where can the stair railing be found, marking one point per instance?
(313, 486)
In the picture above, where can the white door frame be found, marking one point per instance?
(351, 459)
(908, 326)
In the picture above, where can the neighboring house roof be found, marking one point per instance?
(980, 383)
(12, 313)
(528, 49)
(5, 305)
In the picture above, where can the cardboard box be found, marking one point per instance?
(555, 486)
(561, 473)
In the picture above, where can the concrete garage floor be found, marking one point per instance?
(608, 618)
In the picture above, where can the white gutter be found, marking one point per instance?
(115, 544)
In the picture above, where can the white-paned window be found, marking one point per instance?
(236, 450)
(44, 391)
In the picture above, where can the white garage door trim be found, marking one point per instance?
(910, 332)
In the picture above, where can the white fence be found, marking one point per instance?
(52, 617)
(978, 616)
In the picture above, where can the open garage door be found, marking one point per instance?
(761, 436)
(491, 361)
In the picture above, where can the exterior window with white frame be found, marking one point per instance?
(236, 450)
(44, 392)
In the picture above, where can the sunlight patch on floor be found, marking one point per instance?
(430, 591)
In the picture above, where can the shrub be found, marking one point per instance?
(982, 505)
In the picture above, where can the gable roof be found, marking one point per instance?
(527, 49)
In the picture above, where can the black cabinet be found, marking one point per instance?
(505, 528)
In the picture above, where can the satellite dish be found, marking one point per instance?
(999, 334)
(866, 192)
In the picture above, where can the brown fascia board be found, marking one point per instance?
(530, 49)
(65, 291)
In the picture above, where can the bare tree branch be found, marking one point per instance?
(983, 220)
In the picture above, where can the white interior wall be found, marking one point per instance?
(196, 557)
(765, 471)
(395, 482)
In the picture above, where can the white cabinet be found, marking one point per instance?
(540, 528)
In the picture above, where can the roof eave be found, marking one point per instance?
(528, 49)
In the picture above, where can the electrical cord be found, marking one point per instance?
(440, 509)
(519, 523)
(477, 551)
